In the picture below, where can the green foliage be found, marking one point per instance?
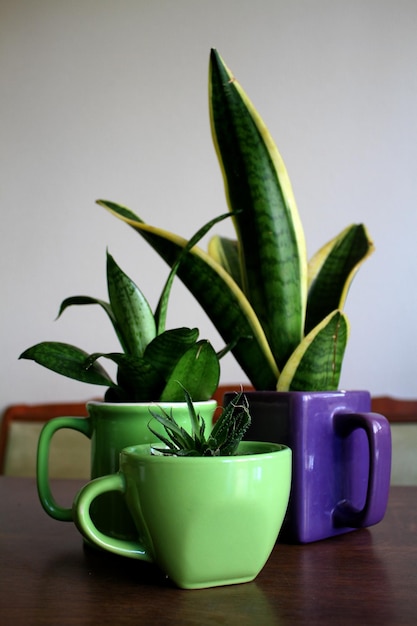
(223, 440)
(282, 315)
(152, 363)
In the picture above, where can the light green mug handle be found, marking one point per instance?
(82, 425)
(84, 523)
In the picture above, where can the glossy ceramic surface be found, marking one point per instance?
(206, 521)
(341, 458)
(111, 427)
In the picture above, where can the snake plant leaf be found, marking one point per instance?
(331, 271)
(69, 361)
(199, 369)
(85, 300)
(225, 252)
(316, 363)
(131, 310)
(138, 379)
(166, 348)
(161, 310)
(268, 226)
(217, 293)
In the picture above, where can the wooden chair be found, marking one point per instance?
(395, 409)
(19, 433)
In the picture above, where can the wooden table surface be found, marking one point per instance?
(365, 577)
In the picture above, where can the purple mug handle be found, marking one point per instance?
(378, 434)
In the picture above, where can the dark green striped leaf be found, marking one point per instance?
(69, 361)
(269, 231)
(198, 370)
(331, 271)
(131, 310)
(316, 363)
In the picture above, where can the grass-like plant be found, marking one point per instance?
(223, 440)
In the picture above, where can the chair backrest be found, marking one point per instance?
(19, 433)
(70, 452)
(395, 409)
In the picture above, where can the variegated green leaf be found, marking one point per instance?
(316, 363)
(331, 271)
(161, 311)
(225, 252)
(269, 230)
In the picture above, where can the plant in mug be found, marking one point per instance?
(283, 316)
(223, 440)
(153, 360)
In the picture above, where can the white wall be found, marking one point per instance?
(104, 98)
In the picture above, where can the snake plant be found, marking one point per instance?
(223, 440)
(282, 314)
(155, 363)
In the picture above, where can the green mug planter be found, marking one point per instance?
(208, 515)
(110, 427)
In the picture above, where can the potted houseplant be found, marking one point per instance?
(208, 509)
(154, 365)
(282, 315)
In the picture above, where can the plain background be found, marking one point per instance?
(108, 99)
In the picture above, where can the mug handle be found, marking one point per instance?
(378, 434)
(82, 425)
(82, 518)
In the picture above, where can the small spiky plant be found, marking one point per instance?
(223, 440)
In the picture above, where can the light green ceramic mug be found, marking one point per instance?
(205, 521)
(110, 427)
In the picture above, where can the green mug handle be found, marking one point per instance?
(84, 523)
(82, 425)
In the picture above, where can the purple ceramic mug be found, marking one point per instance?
(341, 458)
